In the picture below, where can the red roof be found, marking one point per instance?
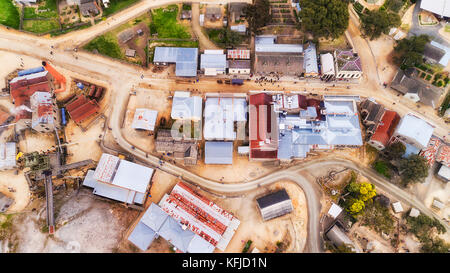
(80, 109)
(260, 132)
(302, 102)
(386, 127)
(21, 92)
(444, 155)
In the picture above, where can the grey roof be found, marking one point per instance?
(114, 192)
(171, 231)
(338, 237)
(7, 155)
(89, 180)
(5, 202)
(218, 152)
(199, 245)
(239, 64)
(218, 61)
(310, 59)
(142, 236)
(273, 198)
(184, 58)
(433, 53)
(154, 217)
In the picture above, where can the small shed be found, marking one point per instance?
(414, 212)
(218, 152)
(130, 53)
(437, 204)
(334, 210)
(144, 119)
(397, 206)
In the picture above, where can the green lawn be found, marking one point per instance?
(51, 10)
(40, 26)
(9, 14)
(382, 168)
(165, 23)
(106, 44)
(117, 5)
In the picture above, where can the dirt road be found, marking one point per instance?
(204, 41)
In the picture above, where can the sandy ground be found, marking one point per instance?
(84, 224)
(86, 146)
(291, 228)
(21, 194)
(11, 62)
(408, 17)
(383, 48)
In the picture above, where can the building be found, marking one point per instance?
(238, 54)
(5, 202)
(438, 205)
(371, 114)
(338, 238)
(120, 180)
(430, 152)
(81, 108)
(397, 207)
(185, 59)
(347, 64)
(274, 205)
(213, 12)
(334, 211)
(414, 133)
(310, 61)
(443, 157)
(239, 67)
(385, 129)
(144, 119)
(326, 124)
(8, 152)
(213, 62)
(218, 152)
(241, 28)
(444, 173)
(282, 59)
(26, 2)
(224, 113)
(407, 83)
(186, 14)
(327, 66)
(263, 132)
(186, 150)
(156, 222)
(438, 7)
(88, 7)
(200, 215)
(414, 212)
(130, 53)
(185, 107)
(237, 11)
(44, 118)
(21, 90)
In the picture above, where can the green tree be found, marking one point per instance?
(324, 18)
(376, 22)
(396, 150)
(409, 51)
(355, 206)
(367, 191)
(231, 38)
(413, 169)
(435, 245)
(394, 5)
(258, 15)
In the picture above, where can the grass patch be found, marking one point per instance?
(186, 7)
(382, 168)
(106, 44)
(40, 26)
(428, 78)
(9, 14)
(5, 226)
(47, 10)
(445, 105)
(117, 5)
(164, 23)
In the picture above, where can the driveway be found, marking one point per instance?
(205, 42)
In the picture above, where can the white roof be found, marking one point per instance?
(445, 59)
(243, 149)
(29, 76)
(334, 210)
(213, 51)
(144, 119)
(397, 207)
(327, 62)
(414, 212)
(444, 171)
(7, 155)
(132, 176)
(106, 168)
(186, 108)
(415, 128)
(440, 7)
(183, 94)
(438, 204)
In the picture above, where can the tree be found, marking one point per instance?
(396, 150)
(435, 245)
(409, 51)
(356, 206)
(231, 38)
(324, 18)
(367, 191)
(394, 5)
(413, 169)
(258, 15)
(376, 22)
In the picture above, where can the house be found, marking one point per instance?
(213, 62)
(80, 108)
(443, 157)
(223, 114)
(282, 59)
(218, 152)
(239, 67)
(430, 152)
(274, 205)
(385, 129)
(397, 207)
(88, 7)
(436, 53)
(371, 114)
(414, 89)
(185, 59)
(263, 132)
(44, 117)
(348, 64)
(310, 61)
(197, 214)
(183, 149)
(290, 103)
(144, 119)
(439, 7)
(120, 180)
(339, 238)
(8, 152)
(237, 11)
(26, 2)
(213, 12)
(185, 107)
(238, 54)
(414, 133)
(327, 66)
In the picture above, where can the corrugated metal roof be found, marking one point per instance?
(272, 199)
(310, 59)
(185, 59)
(327, 62)
(218, 152)
(171, 231)
(142, 236)
(7, 155)
(106, 168)
(217, 61)
(440, 7)
(154, 217)
(415, 128)
(132, 176)
(113, 192)
(144, 119)
(187, 108)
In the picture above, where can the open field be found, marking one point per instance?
(106, 44)
(165, 25)
(40, 26)
(46, 9)
(9, 14)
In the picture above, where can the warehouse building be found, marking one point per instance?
(144, 119)
(274, 205)
(218, 152)
(7, 156)
(185, 59)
